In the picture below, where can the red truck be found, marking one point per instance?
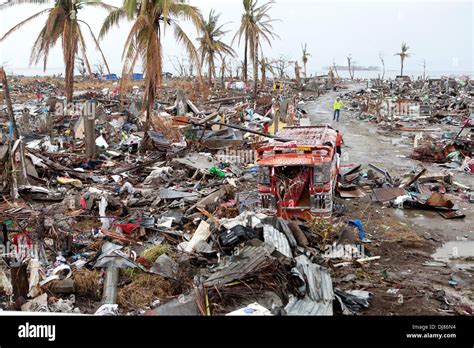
(298, 174)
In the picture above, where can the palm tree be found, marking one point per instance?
(144, 41)
(64, 25)
(305, 57)
(210, 44)
(403, 54)
(255, 24)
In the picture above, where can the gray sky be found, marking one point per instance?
(439, 31)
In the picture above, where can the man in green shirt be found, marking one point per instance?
(337, 109)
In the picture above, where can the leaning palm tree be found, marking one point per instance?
(305, 57)
(255, 24)
(210, 44)
(151, 18)
(64, 25)
(403, 54)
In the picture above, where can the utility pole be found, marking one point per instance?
(89, 132)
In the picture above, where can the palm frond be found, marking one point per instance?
(113, 18)
(83, 46)
(182, 38)
(10, 3)
(22, 23)
(96, 45)
(99, 3)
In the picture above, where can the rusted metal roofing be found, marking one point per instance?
(295, 160)
(309, 145)
(309, 136)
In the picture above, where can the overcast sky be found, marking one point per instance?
(441, 32)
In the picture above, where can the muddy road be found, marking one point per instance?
(365, 144)
(405, 239)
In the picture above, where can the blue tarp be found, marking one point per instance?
(135, 76)
(358, 224)
(111, 77)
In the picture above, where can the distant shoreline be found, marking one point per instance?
(356, 68)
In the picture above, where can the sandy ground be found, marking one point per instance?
(405, 239)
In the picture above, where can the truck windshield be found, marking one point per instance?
(264, 175)
(322, 172)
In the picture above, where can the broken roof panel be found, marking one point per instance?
(249, 259)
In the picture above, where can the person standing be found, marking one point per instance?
(339, 142)
(337, 109)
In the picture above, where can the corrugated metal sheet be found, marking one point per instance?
(274, 237)
(306, 306)
(318, 289)
(318, 279)
(249, 259)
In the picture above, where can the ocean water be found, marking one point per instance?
(391, 74)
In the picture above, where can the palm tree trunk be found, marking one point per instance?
(244, 68)
(69, 78)
(149, 108)
(69, 46)
(209, 72)
(401, 67)
(305, 76)
(255, 68)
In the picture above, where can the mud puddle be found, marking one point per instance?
(458, 253)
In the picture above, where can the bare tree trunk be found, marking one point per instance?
(335, 69)
(297, 74)
(6, 93)
(349, 67)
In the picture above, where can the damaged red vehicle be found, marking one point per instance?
(298, 173)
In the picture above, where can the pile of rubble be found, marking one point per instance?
(416, 190)
(415, 107)
(423, 102)
(101, 217)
